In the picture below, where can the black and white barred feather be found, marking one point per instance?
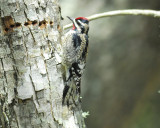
(75, 49)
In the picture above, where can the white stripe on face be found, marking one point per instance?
(86, 26)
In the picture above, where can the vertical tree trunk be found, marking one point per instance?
(31, 82)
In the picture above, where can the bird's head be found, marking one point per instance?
(80, 24)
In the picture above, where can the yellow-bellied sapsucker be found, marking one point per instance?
(75, 48)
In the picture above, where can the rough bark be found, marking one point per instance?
(31, 82)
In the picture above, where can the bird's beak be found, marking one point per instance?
(73, 21)
(70, 19)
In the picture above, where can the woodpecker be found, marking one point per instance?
(75, 49)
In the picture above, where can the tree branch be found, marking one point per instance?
(151, 13)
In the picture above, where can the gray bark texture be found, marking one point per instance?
(31, 82)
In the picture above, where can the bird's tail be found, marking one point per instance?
(72, 89)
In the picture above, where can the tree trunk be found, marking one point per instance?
(31, 82)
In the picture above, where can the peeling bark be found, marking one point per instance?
(31, 82)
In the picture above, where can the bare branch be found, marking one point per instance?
(136, 12)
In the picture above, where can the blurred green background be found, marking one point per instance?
(122, 78)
